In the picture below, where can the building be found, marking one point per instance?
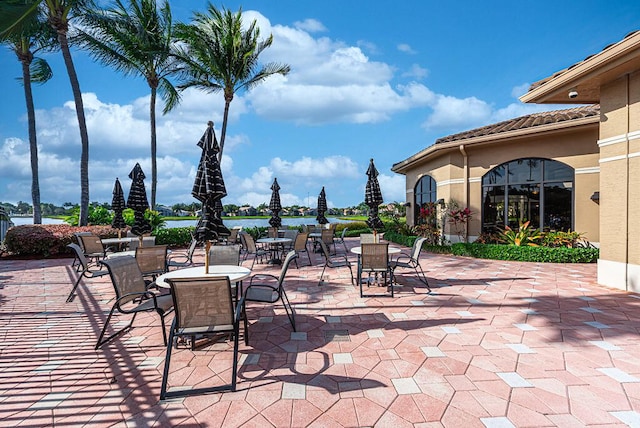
(574, 169)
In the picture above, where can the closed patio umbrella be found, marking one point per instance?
(138, 202)
(322, 208)
(373, 197)
(274, 205)
(118, 205)
(209, 189)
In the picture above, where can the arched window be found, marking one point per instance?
(533, 189)
(425, 194)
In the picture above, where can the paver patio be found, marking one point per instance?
(497, 344)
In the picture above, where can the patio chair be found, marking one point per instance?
(271, 290)
(367, 238)
(333, 262)
(203, 307)
(250, 248)
(300, 246)
(132, 296)
(76, 262)
(224, 255)
(411, 261)
(374, 259)
(86, 270)
(182, 259)
(147, 241)
(152, 261)
(340, 240)
(232, 239)
(327, 238)
(91, 247)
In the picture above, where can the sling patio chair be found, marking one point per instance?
(327, 238)
(333, 262)
(226, 255)
(76, 262)
(181, 259)
(85, 272)
(147, 241)
(300, 246)
(374, 260)
(270, 290)
(250, 248)
(152, 261)
(203, 307)
(132, 296)
(411, 261)
(91, 247)
(340, 240)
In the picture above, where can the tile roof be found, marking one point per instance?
(527, 121)
(534, 85)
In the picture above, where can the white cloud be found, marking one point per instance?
(404, 47)
(416, 72)
(310, 25)
(518, 91)
(451, 112)
(393, 187)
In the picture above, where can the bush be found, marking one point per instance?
(526, 253)
(48, 240)
(174, 237)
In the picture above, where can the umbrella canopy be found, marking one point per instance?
(274, 205)
(138, 201)
(209, 188)
(118, 205)
(373, 197)
(322, 208)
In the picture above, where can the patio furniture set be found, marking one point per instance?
(210, 301)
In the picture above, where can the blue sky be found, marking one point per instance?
(370, 79)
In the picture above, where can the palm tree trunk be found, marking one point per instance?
(223, 133)
(33, 144)
(82, 124)
(154, 149)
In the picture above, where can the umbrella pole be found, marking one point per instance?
(141, 241)
(206, 257)
(119, 233)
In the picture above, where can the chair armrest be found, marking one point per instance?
(238, 314)
(262, 275)
(402, 255)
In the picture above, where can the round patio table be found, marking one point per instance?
(235, 274)
(275, 244)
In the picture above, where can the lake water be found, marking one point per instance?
(250, 222)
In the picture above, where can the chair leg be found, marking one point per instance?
(73, 290)
(289, 309)
(424, 277)
(234, 371)
(165, 372)
(322, 274)
(117, 333)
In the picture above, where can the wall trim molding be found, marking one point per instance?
(613, 158)
(588, 170)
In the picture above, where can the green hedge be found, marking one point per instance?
(526, 254)
(505, 252)
(175, 236)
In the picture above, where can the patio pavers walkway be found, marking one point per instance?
(497, 344)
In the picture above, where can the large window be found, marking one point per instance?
(425, 194)
(533, 189)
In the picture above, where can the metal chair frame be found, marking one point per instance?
(340, 240)
(203, 307)
(333, 262)
(412, 262)
(300, 246)
(131, 289)
(374, 259)
(175, 259)
(250, 248)
(86, 271)
(268, 293)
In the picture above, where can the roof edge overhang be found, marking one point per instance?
(612, 62)
(438, 149)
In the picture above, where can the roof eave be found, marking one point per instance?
(403, 166)
(613, 61)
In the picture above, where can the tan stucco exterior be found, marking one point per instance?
(612, 79)
(458, 169)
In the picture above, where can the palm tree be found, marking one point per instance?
(58, 13)
(220, 55)
(136, 39)
(30, 36)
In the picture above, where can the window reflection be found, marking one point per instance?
(531, 189)
(425, 195)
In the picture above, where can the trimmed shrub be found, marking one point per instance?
(175, 236)
(48, 240)
(526, 253)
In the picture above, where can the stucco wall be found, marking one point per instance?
(576, 147)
